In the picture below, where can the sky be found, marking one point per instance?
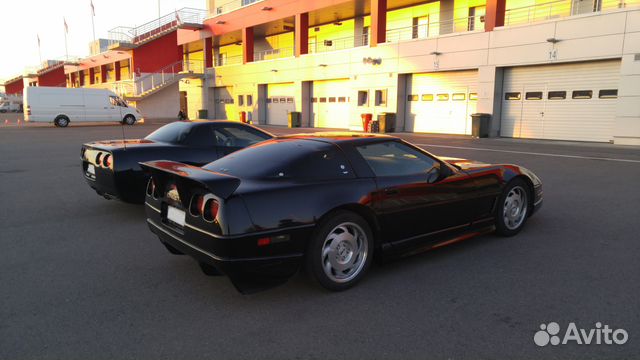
(23, 20)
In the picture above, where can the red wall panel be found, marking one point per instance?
(157, 54)
(54, 77)
(14, 87)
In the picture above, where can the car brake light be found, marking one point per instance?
(197, 204)
(99, 159)
(151, 188)
(264, 241)
(210, 210)
(107, 161)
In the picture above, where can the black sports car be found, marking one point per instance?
(329, 202)
(112, 169)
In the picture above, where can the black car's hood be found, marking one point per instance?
(464, 164)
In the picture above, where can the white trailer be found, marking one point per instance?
(61, 106)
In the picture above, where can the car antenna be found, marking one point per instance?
(124, 140)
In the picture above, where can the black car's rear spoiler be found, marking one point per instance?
(186, 176)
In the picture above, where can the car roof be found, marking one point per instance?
(339, 137)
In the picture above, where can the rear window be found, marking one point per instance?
(172, 133)
(287, 159)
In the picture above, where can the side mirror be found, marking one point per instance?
(433, 174)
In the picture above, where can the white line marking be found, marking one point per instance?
(534, 153)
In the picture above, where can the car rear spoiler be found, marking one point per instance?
(186, 176)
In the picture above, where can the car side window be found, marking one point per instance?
(329, 164)
(392, 158)
(201, 136)
(113, 101)
(233, 136)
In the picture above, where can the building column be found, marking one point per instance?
(116, 66)
(626, 130)
(301, 34)
(103, 74)
(208, 52)
(92, 76)
(495, 14)
(447, 25)
(378, 22)
(490, 96)
(247, 45)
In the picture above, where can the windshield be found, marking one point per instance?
(172, 133)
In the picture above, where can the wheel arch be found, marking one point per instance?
(366, 213)
(529, 183)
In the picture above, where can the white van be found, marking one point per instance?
(9, 106)
(62, 105)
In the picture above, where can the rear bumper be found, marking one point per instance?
(248, 274)
(125, 186)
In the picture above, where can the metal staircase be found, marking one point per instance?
(148, 84)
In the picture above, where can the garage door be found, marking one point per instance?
(561, 102)
(441, 102)
(224, 106)
(280, 102)
(331, 103)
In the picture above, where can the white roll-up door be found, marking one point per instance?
(225, 107)
(575, 101)
(280, 102)
(441, 102)
(331, 103)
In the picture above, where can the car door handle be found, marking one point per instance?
(391, 191)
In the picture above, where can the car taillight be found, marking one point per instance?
(99, 159)
(210, 212)
(82, 153)
(151, 188)
(197, 205)
(107, 161)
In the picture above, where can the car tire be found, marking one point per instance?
(61, 121)
(513, 208)
(340, 251)
(172, 250)
(129, 120)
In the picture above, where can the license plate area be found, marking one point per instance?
(91, 171)
(175, 217)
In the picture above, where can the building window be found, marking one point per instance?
(582, 94)
(363, 98)
(249, 100)
(365, 36)
(342, 99)
(420, 29)
(427, 97)
(473, 96)
(290, 100)
(608, 94)
(443, 97)
(533, 95)
(314, 100)
(512, 96)
(332, 99)
(283, 100)
(412, 97)
(240, 100)
(476, 18)
(557, 95)
(381, 97)
(323, 99)
(459, 97)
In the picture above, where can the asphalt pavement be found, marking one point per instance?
(82, 277)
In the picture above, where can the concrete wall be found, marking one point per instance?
(163, 104)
